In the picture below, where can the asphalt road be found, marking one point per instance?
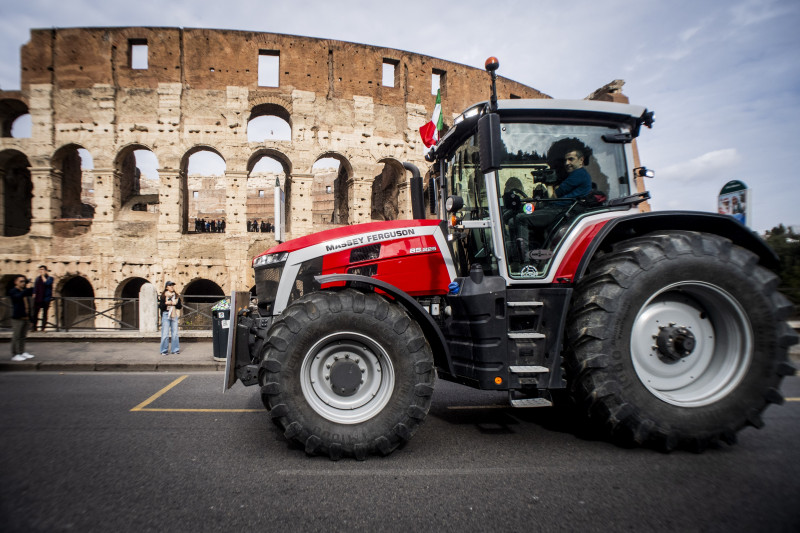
(105, 452)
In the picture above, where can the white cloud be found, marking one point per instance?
(710, 164)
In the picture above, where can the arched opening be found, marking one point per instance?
(16, 190)
(267, 169)
(128, 311)
(330, 191)
(72, 166)
(386, 191)
(204, 190)
(78, 307)
(22, 127)
(137, 169)
(269, 122)
(198, 298)
(15, 121)
(323, 191)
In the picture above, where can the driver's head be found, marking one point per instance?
(574, 160)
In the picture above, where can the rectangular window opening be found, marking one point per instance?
(269, 66)
(137, 49)
(389, 78)
(437, 81)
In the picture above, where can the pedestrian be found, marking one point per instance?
(169, 305)
(42, 296)
(20, 317)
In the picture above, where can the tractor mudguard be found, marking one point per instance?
(433, 334)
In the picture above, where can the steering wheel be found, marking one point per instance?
(512, 199)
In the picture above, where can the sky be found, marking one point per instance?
(723, 77)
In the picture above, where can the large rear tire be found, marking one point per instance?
(347, 374)
(677, 339)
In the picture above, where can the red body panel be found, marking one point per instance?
(344, 231)
(414, 263)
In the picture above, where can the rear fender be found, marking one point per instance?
(627, 227)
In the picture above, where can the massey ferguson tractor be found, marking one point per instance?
(663, 329)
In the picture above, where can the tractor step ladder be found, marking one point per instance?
(528, 402)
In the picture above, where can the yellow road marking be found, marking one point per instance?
(793, 399)
(143, 406)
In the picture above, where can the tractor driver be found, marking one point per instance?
(578, 182)
(534, 228)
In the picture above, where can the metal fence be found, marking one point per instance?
(87, 313)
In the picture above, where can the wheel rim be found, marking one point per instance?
(703, 320)
(330, 378)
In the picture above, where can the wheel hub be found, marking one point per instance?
(675, 343)
(345, 377)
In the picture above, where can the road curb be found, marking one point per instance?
(51, 366)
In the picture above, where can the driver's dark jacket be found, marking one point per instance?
(577, 184)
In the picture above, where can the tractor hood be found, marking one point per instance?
(346, 231)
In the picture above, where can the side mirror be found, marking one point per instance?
(433, 195)
(489, 144)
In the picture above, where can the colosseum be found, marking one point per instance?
(111, 188)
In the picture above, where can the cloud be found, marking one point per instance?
(706, 166)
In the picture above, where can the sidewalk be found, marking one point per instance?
(132, 351)
(110, 351)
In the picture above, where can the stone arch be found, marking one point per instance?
(78, 307)
(386, 188)
(203, 191)
(341, 189)
(16, 190)
(261, 185)
(128, 310)
(198, 297)
(272, 116)
(69, 180)
(10, 110)
(137, 179)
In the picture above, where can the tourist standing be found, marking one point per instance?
(169, 304)
(42, 296)
(20, 317)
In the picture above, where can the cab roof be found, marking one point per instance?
(547, 109)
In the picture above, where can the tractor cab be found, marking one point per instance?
(519, 178)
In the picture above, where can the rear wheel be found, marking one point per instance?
(347, 374)
(678, 339)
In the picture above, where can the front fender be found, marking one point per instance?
(441, 353)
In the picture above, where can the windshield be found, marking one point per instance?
(552, 174)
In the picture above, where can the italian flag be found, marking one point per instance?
(430, 131)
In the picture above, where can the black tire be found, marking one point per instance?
(677, 339)
(316, 353)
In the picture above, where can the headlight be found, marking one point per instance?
(270, 259)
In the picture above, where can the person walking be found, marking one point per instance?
(42, 296)
(20, 317)
(169, 304)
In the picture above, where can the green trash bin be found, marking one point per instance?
(220, 327)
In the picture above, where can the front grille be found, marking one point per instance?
(367, 270)
(267, 280)
(365, 253)
(305, 282)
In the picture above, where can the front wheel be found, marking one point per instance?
(677, 339)
(347, 374)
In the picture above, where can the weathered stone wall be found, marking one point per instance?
(199, 91)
